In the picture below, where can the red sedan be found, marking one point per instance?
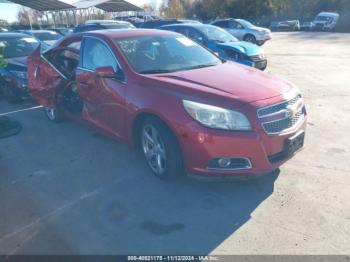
(188, 110)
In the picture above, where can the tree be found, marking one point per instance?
(25, 16)
(172, 9)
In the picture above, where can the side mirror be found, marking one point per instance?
(106, 72)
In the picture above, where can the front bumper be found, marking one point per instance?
(263, 38)
(200, 145)
(262, 64)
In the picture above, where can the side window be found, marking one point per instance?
(75, 45)
(194, 35)
(235, 25)
(96, 54)
(182, 31)
(222, 24)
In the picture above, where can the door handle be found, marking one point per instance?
(85, 85)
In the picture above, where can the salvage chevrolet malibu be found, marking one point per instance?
(189, 111)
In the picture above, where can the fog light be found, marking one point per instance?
(229, 164)
(224, 162)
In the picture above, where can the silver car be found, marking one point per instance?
(244, 30)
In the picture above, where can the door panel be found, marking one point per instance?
(44, 79)
(104, 98)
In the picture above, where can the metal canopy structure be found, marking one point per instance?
(108, 5)
(44, 5)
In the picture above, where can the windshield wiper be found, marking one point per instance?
(156, 71)
(200, 66)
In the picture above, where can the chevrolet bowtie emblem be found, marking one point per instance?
(294, 109)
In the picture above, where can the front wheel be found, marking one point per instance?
(250, 38)
(11, 94)
(53, 114)
(161, 150)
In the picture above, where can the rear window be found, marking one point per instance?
(118, 26)
(17, 47)
(47, 36)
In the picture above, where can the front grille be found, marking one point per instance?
(261, 65)
(274, 109)
(278, 126)
(257, 58)
(287, 121)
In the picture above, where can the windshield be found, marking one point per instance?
(163, 54)
(217, 34)
(47, 36)
(17, 47)
(245, 23)
(323, 18)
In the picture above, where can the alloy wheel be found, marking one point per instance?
(51, 114)
(154, 149)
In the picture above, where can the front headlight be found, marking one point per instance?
(217, 117)
(20, 74)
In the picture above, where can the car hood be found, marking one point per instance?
(50, 42)
(17, 63)
(242, 83)
(244, 47)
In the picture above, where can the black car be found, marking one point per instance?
(62, 30)
(290, 25)
(156, 24)
(100, 26)
(14, 50)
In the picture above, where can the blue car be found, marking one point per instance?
(222, 43)
(14, 50)
(46, 37)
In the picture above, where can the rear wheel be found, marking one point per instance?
(160, 149)
(53, 114)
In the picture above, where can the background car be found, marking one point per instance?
(306, 26)
(102, 24)
(326, 21)
(244, 30)
(14, 50)
(289, 25)
(224, 44)
(62, 30)
(46, 37)
(156, 24)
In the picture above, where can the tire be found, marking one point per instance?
(53, 114)
(161, 149)
(11, 94)
(250, 38)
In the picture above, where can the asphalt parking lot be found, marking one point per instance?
(66, 189)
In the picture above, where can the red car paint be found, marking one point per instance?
(114, 106)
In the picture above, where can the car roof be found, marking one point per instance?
(89, 22)
(125, 33)
(38, 31)
(193, 25)
(328, 14)
(13, 35)
(223, 19)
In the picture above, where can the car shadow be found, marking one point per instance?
(86, 194)
(187, 217)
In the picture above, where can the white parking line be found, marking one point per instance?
(22, 110)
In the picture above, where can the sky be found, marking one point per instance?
(9, 12)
